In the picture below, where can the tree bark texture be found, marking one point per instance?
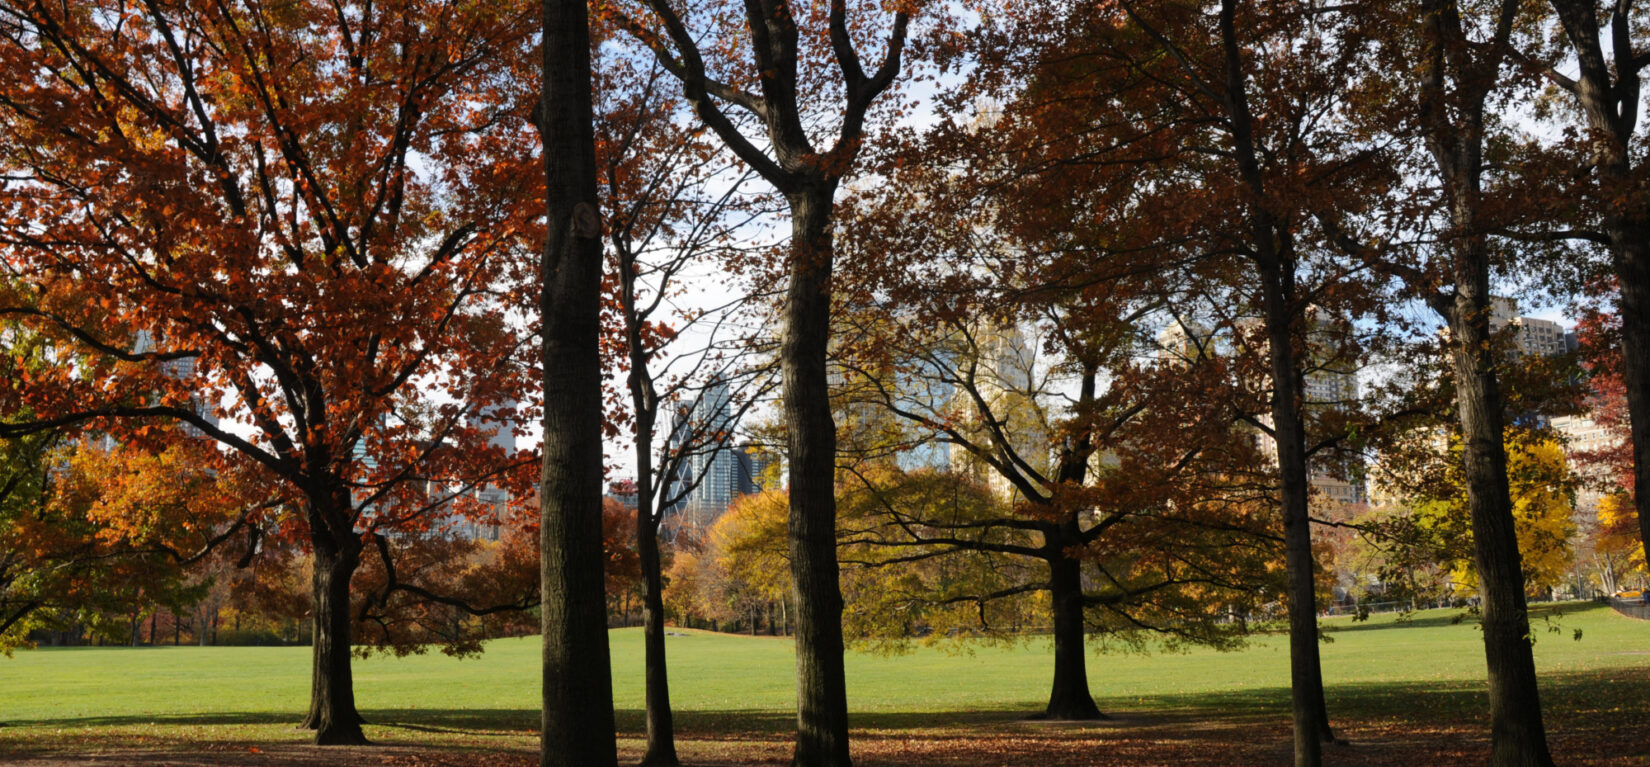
(332, 712)
(577, 729)
(821, 690)
(1069, 698)
(1518, 738)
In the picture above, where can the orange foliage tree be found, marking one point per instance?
(296, 230)
(90, 532)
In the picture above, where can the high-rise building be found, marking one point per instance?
(1005, 376)
(499, 422)
(756, 463)
(926, 386)
(1531, 335)
(1184, 342)
(713, 465)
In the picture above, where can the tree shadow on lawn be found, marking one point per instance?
(1450, 616)
(1563, 694)
(512, 722)
(1593, 718)
(1425, 619)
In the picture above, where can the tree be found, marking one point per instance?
(666, 220)
(448, 590)
(296, 217)
(1542, 491)
(24, 561)
(938, 591)
(1282, 155)
(94, 530)
(1405, 552)
(578, 724)
(747, 549)
(1617, 543)
(1122, 504)
(1434, 80)
(785, 68)
(1192, 153)
(1613, 197)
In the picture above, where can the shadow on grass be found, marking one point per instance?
(1430, 618)
(514, 722)
(1570, 697)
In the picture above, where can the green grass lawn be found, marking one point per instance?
(721, 682)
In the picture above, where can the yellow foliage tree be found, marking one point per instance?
(1543, 495)
(749, 544)
(742, 571)
(899, 587)
(1617, 544)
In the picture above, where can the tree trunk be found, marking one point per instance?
(1453, 98)
(332, 712)
(1517, 735)
(1606, 573)
(821, 690)
(1310, 714)
(644, 400)
(577, 729)
(1309, 710)
(1069, 698)
(1632, 262)
(661, 729)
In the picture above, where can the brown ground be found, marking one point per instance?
(1613, 738)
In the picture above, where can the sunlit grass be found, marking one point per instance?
(722, 683)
